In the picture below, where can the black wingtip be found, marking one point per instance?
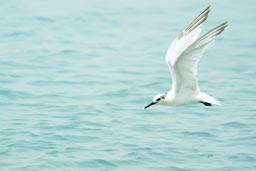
(198, 20)
(208, 8)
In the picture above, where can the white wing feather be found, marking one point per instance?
(183, 41)
(185, 67)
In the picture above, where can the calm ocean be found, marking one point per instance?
(75, 76)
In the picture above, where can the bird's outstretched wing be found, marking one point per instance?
(185, 66)
(182, 42)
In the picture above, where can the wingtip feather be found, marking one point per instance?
(202, 17)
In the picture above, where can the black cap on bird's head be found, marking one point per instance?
(157, 99)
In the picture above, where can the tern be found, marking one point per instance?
(182, 58)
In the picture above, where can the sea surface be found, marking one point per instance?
(76, 75)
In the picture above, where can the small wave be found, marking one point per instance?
(234, 124)
(95, 163)
(200, 134)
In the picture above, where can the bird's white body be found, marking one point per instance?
(172, 99)
(182, 58)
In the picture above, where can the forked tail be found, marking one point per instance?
(208, 100)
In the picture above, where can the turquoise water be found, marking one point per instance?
(75, 76)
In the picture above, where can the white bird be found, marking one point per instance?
(182, 58)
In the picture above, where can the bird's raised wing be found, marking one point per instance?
(183, 41)
(185, 67)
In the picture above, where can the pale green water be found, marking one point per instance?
(75, 76)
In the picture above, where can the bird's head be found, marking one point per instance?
(158, 99)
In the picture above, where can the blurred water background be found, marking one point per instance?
(75, 76)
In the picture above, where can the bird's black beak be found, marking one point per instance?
(150, 104)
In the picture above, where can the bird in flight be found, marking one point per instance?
(182, 58)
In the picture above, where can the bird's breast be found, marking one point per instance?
(180, 100)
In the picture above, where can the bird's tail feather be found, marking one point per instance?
(208, 100)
